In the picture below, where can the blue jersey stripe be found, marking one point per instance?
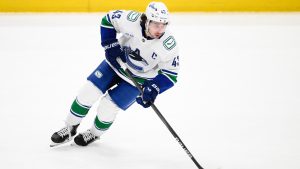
(163, 82)
(167, 71)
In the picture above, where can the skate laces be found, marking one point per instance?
(88, 135)
(63, 132)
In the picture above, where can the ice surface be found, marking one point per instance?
(236, 104)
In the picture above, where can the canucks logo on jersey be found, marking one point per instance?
(169, 43)
(133, 16)
(134, 56)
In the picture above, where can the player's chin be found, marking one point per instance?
(156, 36)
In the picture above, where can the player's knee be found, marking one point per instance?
(88, 94)
(107, 109)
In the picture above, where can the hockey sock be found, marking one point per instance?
(100, 126)
(77, 112)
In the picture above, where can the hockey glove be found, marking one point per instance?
(113, 51)
(150, 92)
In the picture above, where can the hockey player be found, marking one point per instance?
(148, 50)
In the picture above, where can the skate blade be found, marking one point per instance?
(74, 144)
(52, 144)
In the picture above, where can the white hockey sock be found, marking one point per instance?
(106, 114)
(86, 97)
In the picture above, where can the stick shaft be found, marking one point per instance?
(166, 123)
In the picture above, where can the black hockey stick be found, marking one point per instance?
(165, 121)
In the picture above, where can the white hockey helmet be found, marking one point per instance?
(158, 12)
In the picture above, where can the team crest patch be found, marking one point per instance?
(169, 43)
(133, 16)
(98, 74)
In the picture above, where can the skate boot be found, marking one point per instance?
(84, 139)
(64, 135)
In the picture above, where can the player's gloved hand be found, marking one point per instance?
(150, 92)
(113, 51)
(140, 101)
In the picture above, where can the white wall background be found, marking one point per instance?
(236, 105)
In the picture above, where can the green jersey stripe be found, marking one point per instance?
(106, 23)
(109, 27)
(172, 77)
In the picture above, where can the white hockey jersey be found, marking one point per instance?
(157, 56)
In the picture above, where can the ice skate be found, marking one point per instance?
(64, 135)
(86, 138)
